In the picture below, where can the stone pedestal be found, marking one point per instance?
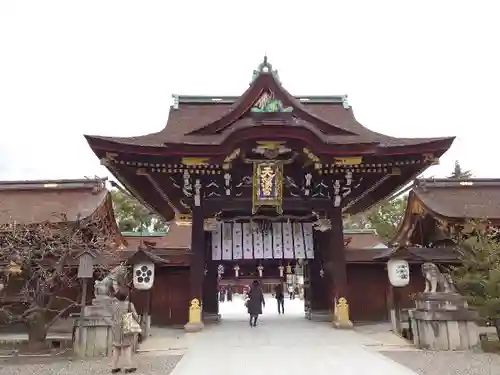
(194, 327)
(93, 337)
(195, 324)
(443, 321)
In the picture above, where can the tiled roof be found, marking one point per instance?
(190, 117)
(199, 120)
(178, 237)
(432, 254)
(460, 198)
(363, 239)
(37, 201)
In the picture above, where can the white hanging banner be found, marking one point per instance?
(247, 242)
(277, 241)
(268, 244)
(308, 240)
(237, 241)
(217, 243)
(287, 241)
(227, 241)
(258, 248)
(298, 240)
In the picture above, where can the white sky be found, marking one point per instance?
(411, 68)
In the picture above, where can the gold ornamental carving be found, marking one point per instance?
(267, 185)
(195, 161)
(348, 160)
(183, 219)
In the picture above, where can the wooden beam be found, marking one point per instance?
(367, 191)
(214, 205)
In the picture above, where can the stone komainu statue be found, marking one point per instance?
(109, 285)
(435, 281)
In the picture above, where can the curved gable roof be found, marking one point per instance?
(198, 120)
(30, 202)
(451, 200)
(461, 198)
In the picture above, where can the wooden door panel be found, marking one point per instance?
(178, 297)
(160, 298)
(367, 292)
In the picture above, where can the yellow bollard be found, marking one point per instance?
(341, 315)
(195, 311)
(194, 324)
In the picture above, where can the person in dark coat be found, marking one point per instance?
(279, 294)
(229, 293)
(255, 303)
(222, 294)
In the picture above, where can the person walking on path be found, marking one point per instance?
(222, 294)
(280, 298)
(291, 292)
(255, 303)
(122, 343)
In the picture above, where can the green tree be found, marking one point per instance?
(384, 218)
(478, 276)
(458, 172)
(132, 216)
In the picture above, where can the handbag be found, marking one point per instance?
(129, 324)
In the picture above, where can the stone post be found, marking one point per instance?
(93, 336)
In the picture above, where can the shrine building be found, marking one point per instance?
(263, 181)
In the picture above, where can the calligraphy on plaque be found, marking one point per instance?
(267, 185)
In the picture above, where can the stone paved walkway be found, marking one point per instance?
(148, 364)
(448, 363)
(286, 344)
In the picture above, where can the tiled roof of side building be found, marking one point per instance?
(363, 239)
(50, 200)
(178, 237)
(460, 198)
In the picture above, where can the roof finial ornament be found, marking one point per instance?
(265, 67)
(345, 102)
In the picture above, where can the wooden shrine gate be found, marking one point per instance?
(238, 253)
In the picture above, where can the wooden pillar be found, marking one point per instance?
(210, 297)
(197, 268)
(321, 282)
(338, 270)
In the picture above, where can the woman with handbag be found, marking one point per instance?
(125, 330)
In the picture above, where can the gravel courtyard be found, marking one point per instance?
(447, 363)
(148, 364)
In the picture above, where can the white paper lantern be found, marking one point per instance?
(144, 275)
(399, 272)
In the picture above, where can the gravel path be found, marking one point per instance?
(147, 365)
(447, 363)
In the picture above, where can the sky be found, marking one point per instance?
(106, 67)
